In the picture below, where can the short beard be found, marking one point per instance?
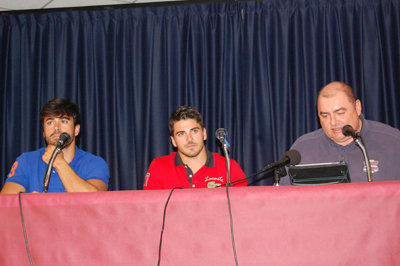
(50, 141)
(191, 155)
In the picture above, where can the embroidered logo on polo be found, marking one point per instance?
(374, 166)
(212, 184)
(216, 178)
(213, 181)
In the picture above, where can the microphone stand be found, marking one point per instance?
(221, 136)
(225, 146)
(228, 163)
(278, 173)
(360, 144)
(46, 179)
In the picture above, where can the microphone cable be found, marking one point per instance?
(228, 165)
(163, 224)
(221, 134)
(259, 179)
(245, 179)
(291, 157)
(24, 229)
(231, 223)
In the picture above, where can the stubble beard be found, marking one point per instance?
(193, 152)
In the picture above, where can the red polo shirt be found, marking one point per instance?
(169, 171)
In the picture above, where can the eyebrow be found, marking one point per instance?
(58, 117)
(335, 111)
(184, 130)
(177, 132)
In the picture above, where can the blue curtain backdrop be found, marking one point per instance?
(251, 67)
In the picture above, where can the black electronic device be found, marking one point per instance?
(319, 173)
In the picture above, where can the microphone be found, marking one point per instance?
(62, 142)
(349, 131)
(221, 134)
(291, 157)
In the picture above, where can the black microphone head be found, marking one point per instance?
(293, 156)
(221, 133)
(64, 140)
(347, 129)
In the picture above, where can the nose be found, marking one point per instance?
(56, 125)
(189, 136)
(333, 120)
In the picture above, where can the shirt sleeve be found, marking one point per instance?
(97, 168)
(150, 181)
(17, 173)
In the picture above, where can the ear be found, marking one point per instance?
(77, 129)
(173, 141)
(358, 107)
(204, 134)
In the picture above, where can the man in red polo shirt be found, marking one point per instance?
(192, 166)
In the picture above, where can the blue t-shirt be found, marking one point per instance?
(29, 170)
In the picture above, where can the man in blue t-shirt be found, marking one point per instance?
(337, 107)
(74, 170)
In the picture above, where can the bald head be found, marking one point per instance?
(334, 87)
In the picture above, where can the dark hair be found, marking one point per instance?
(58, 107)
(183, 113)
